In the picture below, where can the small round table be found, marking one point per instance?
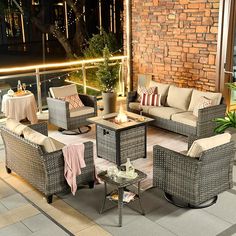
(20, 107)
(121, 184)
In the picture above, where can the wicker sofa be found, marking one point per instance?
(176, 110)
(194, 180)
(45, 171)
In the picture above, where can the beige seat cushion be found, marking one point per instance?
(164, 112)
(40, 139)
(161, 89)
(186, 118)
(204, 144)
(136, 106)
(179, 97)
(81, 111)
(15, 126)
(57, 144)
(63, 91)
(196, 95)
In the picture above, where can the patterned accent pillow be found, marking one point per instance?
(74, 101)
(203, 102)
(142, 90)
(151, 100)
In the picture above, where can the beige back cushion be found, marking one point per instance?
(40, 139)
(179, 97)
(15, 126)
(196, 95)
(204, 144)
(63, 91)
(161, 89)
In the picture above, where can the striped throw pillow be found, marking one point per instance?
(151, 100)
(142, 90)
(74, 101)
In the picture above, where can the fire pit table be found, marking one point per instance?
(117, 141)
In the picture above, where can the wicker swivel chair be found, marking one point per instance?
(70, 121)
(193, 182)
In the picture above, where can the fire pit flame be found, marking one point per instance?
(121, 117)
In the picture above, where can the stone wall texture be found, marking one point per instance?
(175, 41)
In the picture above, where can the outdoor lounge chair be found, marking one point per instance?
(193, 182)
(62, 116)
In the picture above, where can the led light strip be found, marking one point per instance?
(53, 65)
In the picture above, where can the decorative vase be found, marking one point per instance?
(109, 102)
(129, 168)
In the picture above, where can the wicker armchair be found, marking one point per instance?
(45, 171)
(193, 180)
(60, 114)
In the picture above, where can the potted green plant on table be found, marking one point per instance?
(108, 76)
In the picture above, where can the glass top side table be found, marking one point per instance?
(120, 184)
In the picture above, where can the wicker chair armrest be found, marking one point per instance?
(58, 108)
(210, 113)
(132, 96)
(223, 153)
(90, 101)
(40, 127)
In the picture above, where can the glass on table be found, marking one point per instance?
(24, 87)
(101, 109)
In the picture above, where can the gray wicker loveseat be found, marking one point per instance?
(43, 170)
(195, 180)
(176, 110)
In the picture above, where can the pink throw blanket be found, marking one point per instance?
(74, 161)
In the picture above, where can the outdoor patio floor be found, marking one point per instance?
(19, 216)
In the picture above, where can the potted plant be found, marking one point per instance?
(108, 76)
(227, 124)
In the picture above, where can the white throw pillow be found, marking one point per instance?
(215, 97)
(204, 144)
(203, 102)
(15, 126)
(179, 97)
(40, 139)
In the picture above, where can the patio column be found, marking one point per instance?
(128, 41)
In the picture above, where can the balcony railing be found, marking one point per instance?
(36, 75)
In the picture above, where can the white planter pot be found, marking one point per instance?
(109, 102)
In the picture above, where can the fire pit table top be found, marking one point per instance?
(110, 122)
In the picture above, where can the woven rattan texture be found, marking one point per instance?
(190, 179)
(45, 171)
(59, 113)
(128, 143)
(205, 123)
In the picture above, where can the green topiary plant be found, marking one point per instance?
(98, 42)
(108, 75)
(225, 123)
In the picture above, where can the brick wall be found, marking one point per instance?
(176, 41)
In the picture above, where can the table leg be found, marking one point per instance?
(105, 197)
(139, 198)
(120, 204)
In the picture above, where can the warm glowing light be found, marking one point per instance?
(53, 65)
(121, 117)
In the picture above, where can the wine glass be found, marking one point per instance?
(24, 87)
(101, 108)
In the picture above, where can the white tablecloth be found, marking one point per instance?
(19, 108)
